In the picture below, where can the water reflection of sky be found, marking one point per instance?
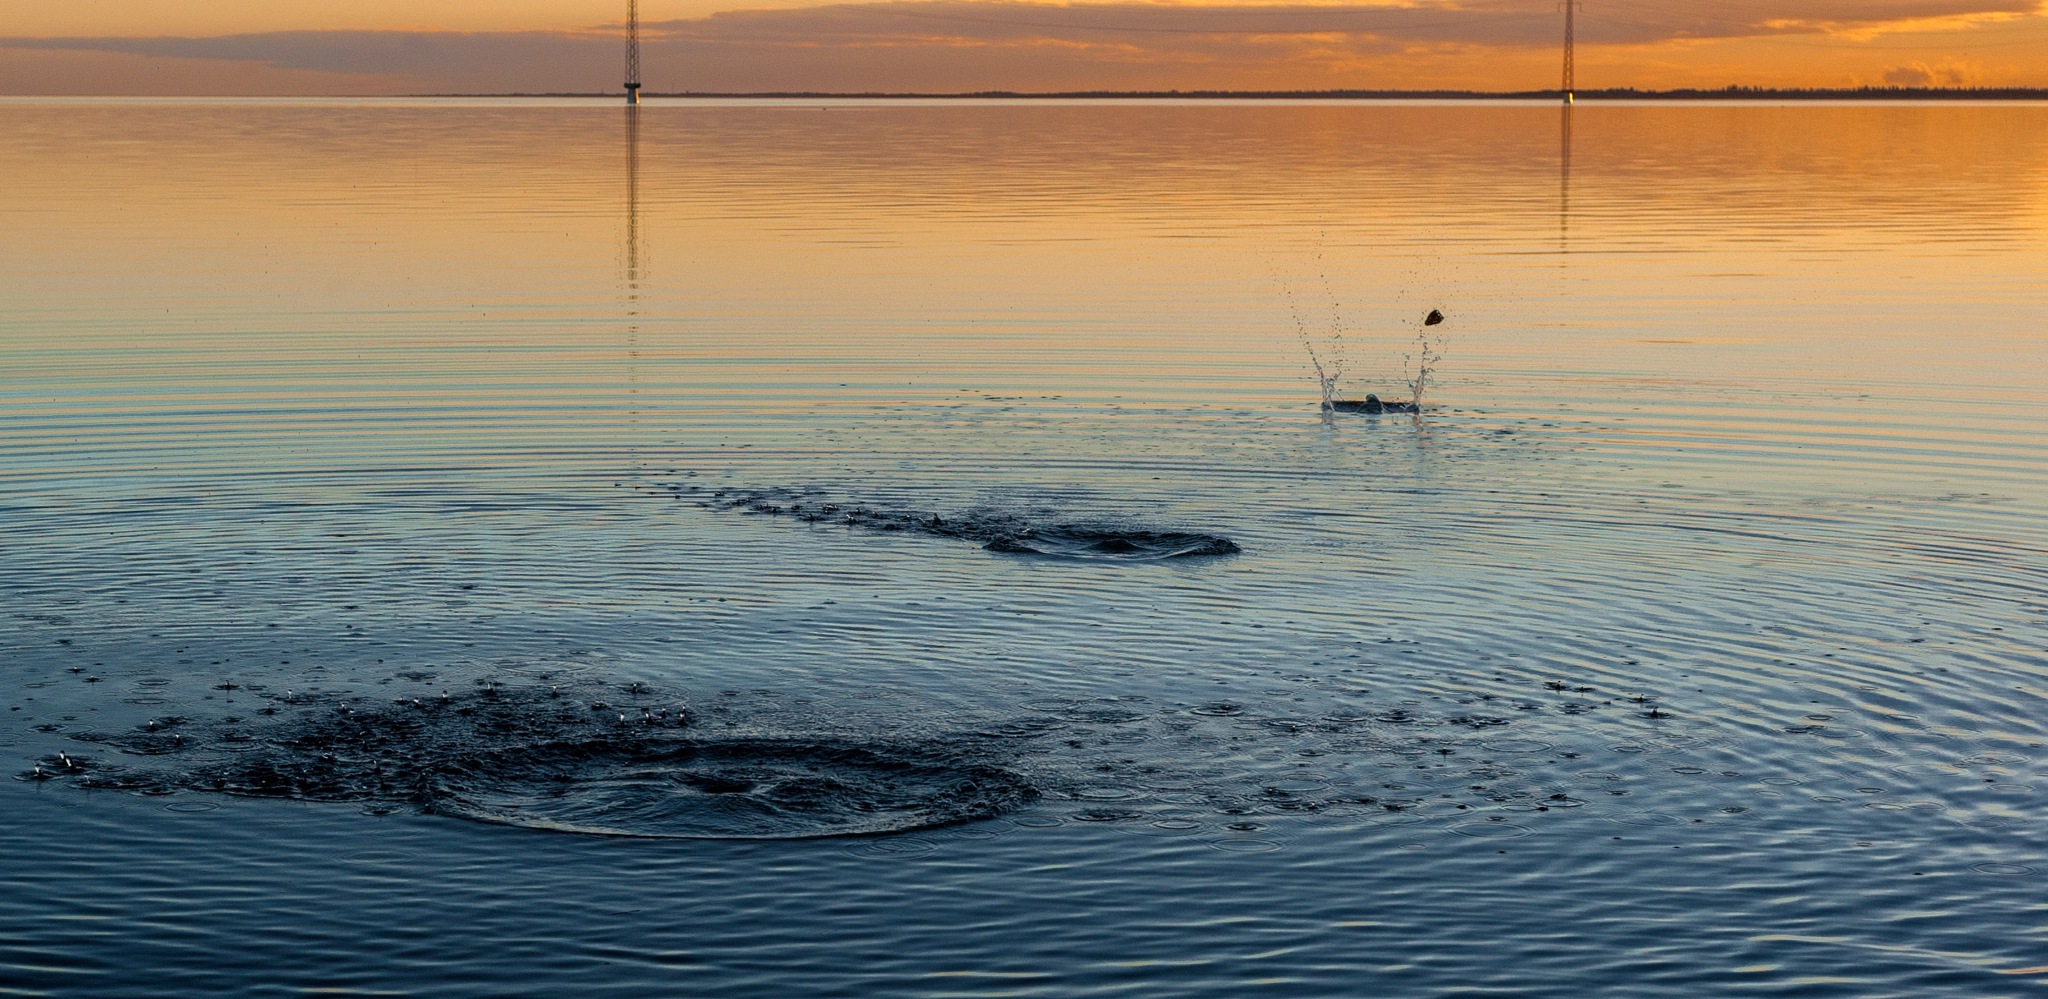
(1723, 518)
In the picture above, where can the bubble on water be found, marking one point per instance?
(380, 857)
(903, 846)
(1647, 819)
(2004, 870)
(537, 667)
(1993, 759)
(1405, 818)
(1103, 815)
(976, 831)
(1490, 830)
(1235, 845)
(1927, 770)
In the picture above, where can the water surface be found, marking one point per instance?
(1691, 641)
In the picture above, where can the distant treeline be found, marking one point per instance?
(1611, 93)
(1820, 94)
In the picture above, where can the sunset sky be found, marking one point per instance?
(372, 47)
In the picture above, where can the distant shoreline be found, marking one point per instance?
(1722, 94)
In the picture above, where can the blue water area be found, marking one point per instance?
(473, 548)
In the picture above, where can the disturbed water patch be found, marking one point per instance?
(1038, 533)
(578, 754)
(1371, 404)
(605, 760)
(728, 789)
(1068, 541)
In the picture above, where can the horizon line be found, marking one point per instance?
(1734, 92)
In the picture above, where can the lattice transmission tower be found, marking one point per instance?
(632, 51)
(1569, 84)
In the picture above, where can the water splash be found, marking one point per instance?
(1428, 351)
(1326, 378)
(1417, 366)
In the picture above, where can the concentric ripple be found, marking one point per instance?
(744, 789)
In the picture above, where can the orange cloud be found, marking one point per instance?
(1920, 74)
(979, 45)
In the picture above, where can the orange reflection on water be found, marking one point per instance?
(537, 269)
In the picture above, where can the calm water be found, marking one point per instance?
(1692, 641)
